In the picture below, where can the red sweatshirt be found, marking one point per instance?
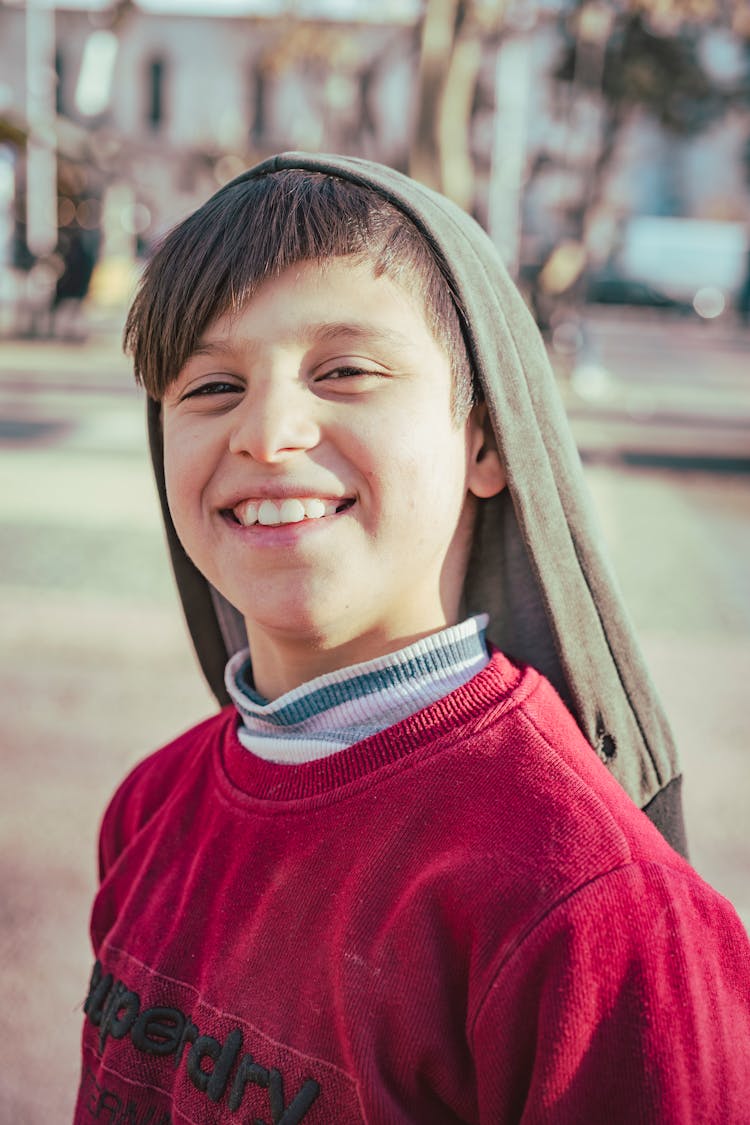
(461, 919)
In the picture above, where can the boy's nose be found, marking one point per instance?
(272, 424)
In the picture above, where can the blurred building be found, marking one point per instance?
(152, 112)
(174, 105)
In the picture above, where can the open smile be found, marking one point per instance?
(290, 510)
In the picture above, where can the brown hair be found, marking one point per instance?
(255, 228)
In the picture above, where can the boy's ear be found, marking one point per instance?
(486, 473)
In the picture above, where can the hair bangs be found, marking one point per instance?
(256, 228)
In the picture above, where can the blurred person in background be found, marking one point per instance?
(79, 250)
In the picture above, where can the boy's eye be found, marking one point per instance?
(350, 372)
(345, 373)
(215, 387)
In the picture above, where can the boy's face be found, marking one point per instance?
(326, 393)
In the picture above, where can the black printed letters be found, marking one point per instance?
(216, 1069)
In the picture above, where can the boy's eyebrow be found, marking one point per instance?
(211, 347)
(322, 333)
(366, 333)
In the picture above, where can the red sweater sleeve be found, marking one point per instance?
(626, 1003)
(153, 782)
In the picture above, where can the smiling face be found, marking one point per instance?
(315, 475)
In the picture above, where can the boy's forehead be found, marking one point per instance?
(299, 296)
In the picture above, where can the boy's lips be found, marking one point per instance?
(282, 510)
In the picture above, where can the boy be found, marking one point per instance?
(392, 880)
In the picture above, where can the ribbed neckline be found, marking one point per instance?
(499, 687)
(350, 704)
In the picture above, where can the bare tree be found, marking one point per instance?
(454, 35)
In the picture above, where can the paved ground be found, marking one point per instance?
(96, 669)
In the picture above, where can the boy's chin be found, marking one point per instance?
(287, 604)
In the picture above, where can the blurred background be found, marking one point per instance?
(606, 149)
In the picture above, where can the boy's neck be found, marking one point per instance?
(279, 668)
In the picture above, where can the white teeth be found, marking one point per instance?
(314, 509)
(291, 511)
(247, 513)
(269, 513)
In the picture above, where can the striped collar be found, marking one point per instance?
(343, 707)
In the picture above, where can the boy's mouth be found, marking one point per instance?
(272, 513)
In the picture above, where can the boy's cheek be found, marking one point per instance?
(178, 479)
(182, 450)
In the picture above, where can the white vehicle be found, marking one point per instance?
(697, 261)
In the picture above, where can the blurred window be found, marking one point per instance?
(157, 72)
(259, 122)
(59, 79)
